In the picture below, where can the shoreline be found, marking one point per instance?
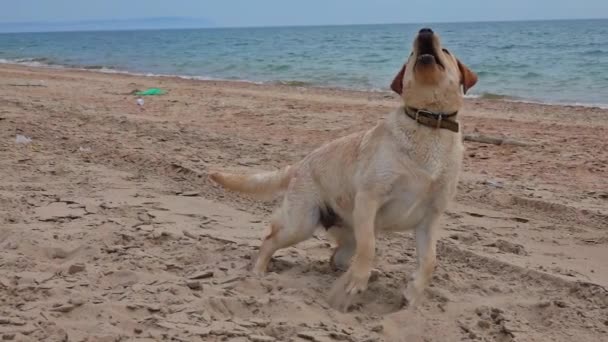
(34, 63)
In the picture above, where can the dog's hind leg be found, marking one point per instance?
(345, 249)
(295, 221)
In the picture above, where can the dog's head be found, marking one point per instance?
(433, 78)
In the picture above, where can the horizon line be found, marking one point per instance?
(212, 26)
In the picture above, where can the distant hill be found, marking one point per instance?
(107, 25)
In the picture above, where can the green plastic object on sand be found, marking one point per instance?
(151, 91)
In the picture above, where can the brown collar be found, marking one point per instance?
(433, 119)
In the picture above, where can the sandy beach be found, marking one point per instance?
(110, 230)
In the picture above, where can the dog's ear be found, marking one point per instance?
(467, 77)
(397, 84)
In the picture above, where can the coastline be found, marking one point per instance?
(39, 63)
(109, 227)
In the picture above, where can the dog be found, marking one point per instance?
(397, 176)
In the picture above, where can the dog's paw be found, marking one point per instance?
(341, 257)
(411, 296)
(336, 264)
(346, 288)
(256, 267)
(258, 273)
(214, 176)
(259, 270)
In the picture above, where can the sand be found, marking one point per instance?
(110, 231)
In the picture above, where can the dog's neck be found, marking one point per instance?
(408, 125)
(402, 122)
(424, 144)
(433, 119)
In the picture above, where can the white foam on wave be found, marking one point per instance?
(32, 62)
(541, 102)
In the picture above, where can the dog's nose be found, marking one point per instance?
(426, 30)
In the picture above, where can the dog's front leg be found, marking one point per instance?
(427, 259)
(355, 280)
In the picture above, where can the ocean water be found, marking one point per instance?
(544, 61)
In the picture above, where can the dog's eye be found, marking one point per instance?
(446, 51)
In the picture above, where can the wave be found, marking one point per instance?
(95, 67)
(485, 73)
(293, 83)
(511, 98)
(532, 74)
(506, 47)
(494, 96)
(278, 67)
(595, 52)
(34, 61)
(50, 63)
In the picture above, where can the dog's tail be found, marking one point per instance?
(262, 185)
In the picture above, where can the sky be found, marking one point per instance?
(302, 12)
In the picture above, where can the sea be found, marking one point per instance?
(562, 62)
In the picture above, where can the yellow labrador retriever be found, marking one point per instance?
(399, 175)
